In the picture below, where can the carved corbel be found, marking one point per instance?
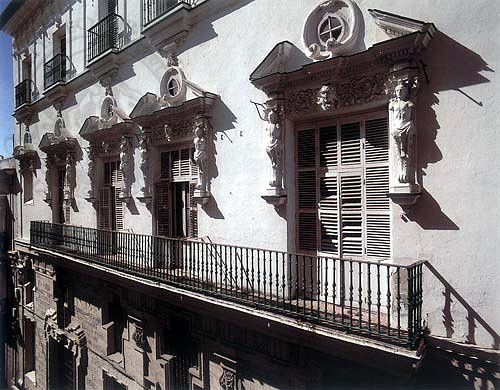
(127, 166)
(203, 154)
(402, 89)
(273, 116)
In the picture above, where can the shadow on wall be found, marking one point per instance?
(473, 318)
(448, 66)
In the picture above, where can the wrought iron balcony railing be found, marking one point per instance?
(106, 34)
(373, 299)
(153, 9)
(23, 92)
(54, 71)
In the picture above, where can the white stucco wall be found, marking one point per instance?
(453, 225)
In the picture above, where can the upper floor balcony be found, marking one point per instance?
(107, 34)
(23, 92)
(154, 9)
(54, 70)
(377, 300)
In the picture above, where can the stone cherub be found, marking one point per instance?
(327, 98)
(402, 110)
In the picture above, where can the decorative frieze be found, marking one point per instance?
(337, 94)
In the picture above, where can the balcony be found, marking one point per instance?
(23, 92)
(54, 71)
(154, 9)
(107, 34)
(376, 300)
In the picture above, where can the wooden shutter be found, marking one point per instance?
(329, 214)
(185, 164)
(162, 189)
(378, 237)
(350, 143)
(193, 212)
(117, 180)
(165, 165)
(328, 146)
(306, 184)
(104, 215)
(351, 224)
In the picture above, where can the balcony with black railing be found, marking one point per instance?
(23, 92)
(377, 300)
(154, 9)
(107, 34)
(54, 71)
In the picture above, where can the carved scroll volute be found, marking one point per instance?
(127, 165)
(402, 90)
(145, 144)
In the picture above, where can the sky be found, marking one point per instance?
(6, 92)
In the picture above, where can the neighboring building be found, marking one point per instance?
(160, 142)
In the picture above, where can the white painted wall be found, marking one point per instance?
(455, 223)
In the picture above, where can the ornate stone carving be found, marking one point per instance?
(91, 172)
(228, 380)
(127, 165)
(357, 90)
(173, 131)
(331, 29)
(49, 163)
(138, 337)
(70, 177)
(327, 98)
(110, 112)
(144, 144)
(402, 123)
(201, 154)
(173, 86)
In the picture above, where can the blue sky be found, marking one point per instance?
(6, 92)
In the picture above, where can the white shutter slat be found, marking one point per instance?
(328, 146)
(328, 210)
(351, 215)
(307, 231)
(185, 164)
(175, 163)
(119, 212)
(307, 190)
(378, 241)
(104, 209)
(377, 187)
(306, 146)
(377, 140)
(162, 208)
(350, 143)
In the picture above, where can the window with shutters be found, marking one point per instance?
(343, 181)
(176, 214)
(110, 215)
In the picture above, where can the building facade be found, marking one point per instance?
(253, 194)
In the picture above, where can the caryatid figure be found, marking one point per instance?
(273, 115)
(201, 157)
(402, 110)
(127, 166)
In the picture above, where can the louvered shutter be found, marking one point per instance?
(307, 202)
(378, 237)
(350, 140)
(117, 179)
(104, 214)
(162, 189)
(185, 164)
(329, 215)
(351, 219)
(193, 212)
(194, 167)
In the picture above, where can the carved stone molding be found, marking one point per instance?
(228, 380)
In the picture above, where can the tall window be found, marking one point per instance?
(176, 213)
(110, 216)
(59, 42)
(343, 180)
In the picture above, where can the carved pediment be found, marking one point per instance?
(92, 132)
(51, 144)
(277, 61)
(396, 25)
